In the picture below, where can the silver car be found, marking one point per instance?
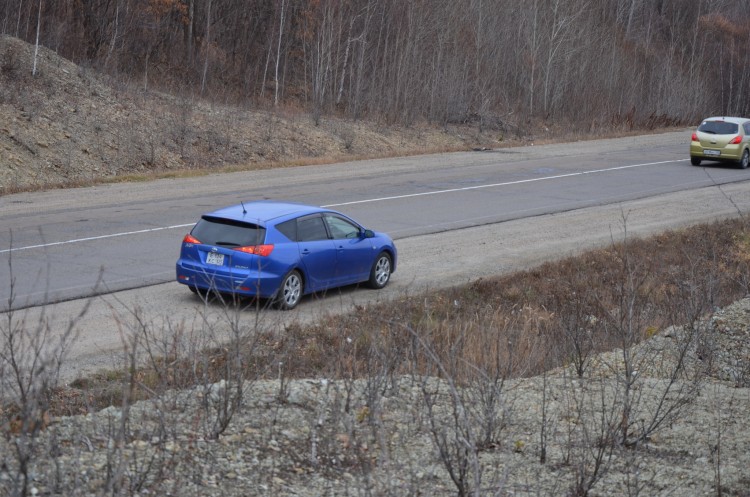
(725, 139)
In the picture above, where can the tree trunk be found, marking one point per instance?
(38, 28)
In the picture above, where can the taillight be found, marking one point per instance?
(190, 239)
(261, 250)
(694, 137)
(737, 139)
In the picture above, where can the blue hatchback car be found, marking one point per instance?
(281, 251)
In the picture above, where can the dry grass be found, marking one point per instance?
(513, 325)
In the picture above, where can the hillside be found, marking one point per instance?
(495, 63)
(70, 126)
(368, 430)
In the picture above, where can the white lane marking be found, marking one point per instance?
(78, 240)
(493, 185)
(381, 199)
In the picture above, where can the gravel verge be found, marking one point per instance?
(374, 436)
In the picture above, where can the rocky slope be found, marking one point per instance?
(383, 435)
(68, 125)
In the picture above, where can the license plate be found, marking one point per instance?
(214, 258)
(712, 152)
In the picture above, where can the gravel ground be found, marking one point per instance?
(377, 435)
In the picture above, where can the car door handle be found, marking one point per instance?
(305, 251)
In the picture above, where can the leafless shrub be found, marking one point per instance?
(31, 354)
(628, 323)
(212, 357)
(579, 326)
(346, 430)
(453, 437)
(624, 397)
(182, 129)
(10, 66)
(740, 250)
(347, 137)
(316, 115)
(716, 444)
(591, 424)
(208, 357)
(128, 471)
(479, 404)
(272, 122)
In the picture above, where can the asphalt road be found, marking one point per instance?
(72, 243)
(455, 217)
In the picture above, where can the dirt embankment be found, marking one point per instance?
(69, 125)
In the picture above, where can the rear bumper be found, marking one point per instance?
(249, 283)
(730, 152)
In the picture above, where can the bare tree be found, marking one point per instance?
(31, 355)
(38, 28)
(207, 46)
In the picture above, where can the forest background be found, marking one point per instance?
(493, 63)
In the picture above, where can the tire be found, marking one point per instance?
(696, 161)
(745, 160)
(290, 291)
(380, 274)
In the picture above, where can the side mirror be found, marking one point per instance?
(369, 234)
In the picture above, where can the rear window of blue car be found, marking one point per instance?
(718, 127)
(227, 232)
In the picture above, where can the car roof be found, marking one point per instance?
(263, 211)
(736, 120)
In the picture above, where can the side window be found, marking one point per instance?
(311, 228)
(288, 229)
(747, 128)
(341, 228)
